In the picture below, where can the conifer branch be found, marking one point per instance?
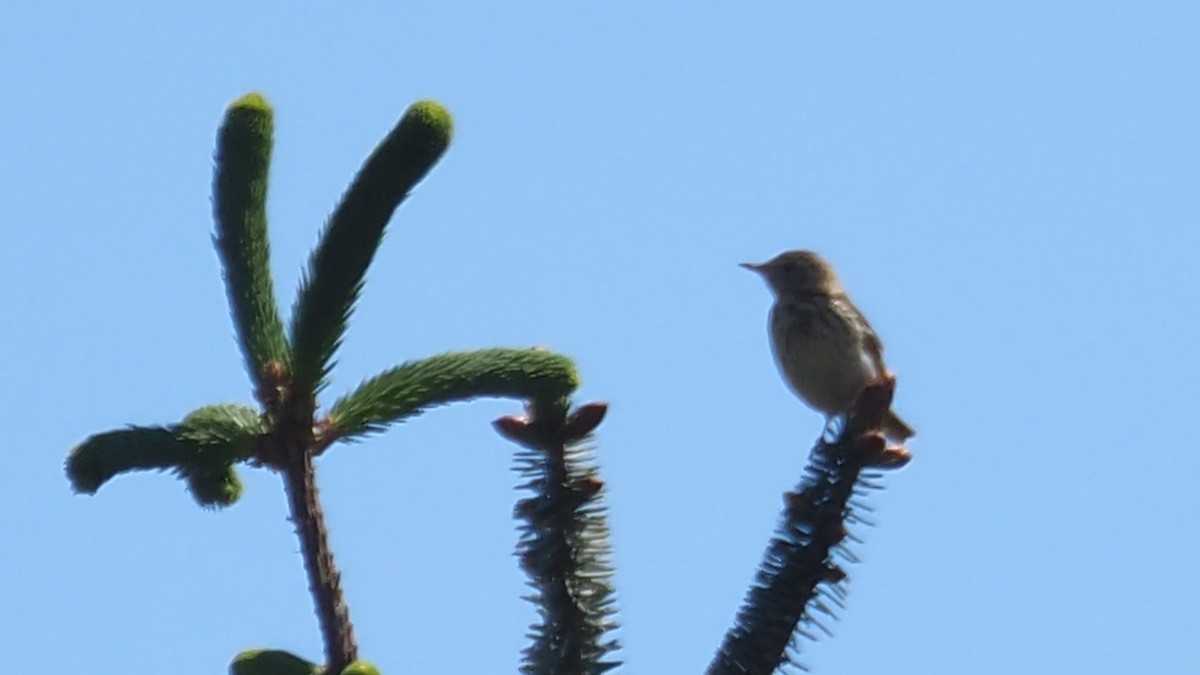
(240, 210)
(324, 580)
(271, 662)
(564, 540)
(334, 277)
(799, 576)
(103, 456)
(201, 449)
(414, 387)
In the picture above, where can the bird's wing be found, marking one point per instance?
(872, 345)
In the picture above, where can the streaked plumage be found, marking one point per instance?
(826, 349)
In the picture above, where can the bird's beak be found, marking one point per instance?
(753, 267)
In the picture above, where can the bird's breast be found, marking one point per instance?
(819, 354)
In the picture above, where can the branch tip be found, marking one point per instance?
(325, 433)
(834, 574)
(869, 445)
(797, 506)
(274, 382)
(584, 420)
(875, 400)
(891, 457)
(589, 487)
(516, 429)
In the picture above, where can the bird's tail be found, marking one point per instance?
(896, 428)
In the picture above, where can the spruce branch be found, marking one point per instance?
(324, 580)
(103, 456)
(564, 539)
(278, 662)
(240, 210)
(201, 449)
(271, 662)
(799, 576)
(412, 388)
(226, 434)
(222, 424)
(213, 487)
(334, 277)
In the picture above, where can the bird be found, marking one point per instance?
(825, 348)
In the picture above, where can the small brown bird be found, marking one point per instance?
(824, 346)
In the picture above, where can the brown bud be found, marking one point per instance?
(516, 429)
(275, 373)
(798, 507)
(869, 445)
(324, 432)
(273, 384)
(584, 420)
(588, 487)
(891, 457)
(834, 574)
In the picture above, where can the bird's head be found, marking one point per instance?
(798, 273)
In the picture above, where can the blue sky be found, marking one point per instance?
(1008, 190)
